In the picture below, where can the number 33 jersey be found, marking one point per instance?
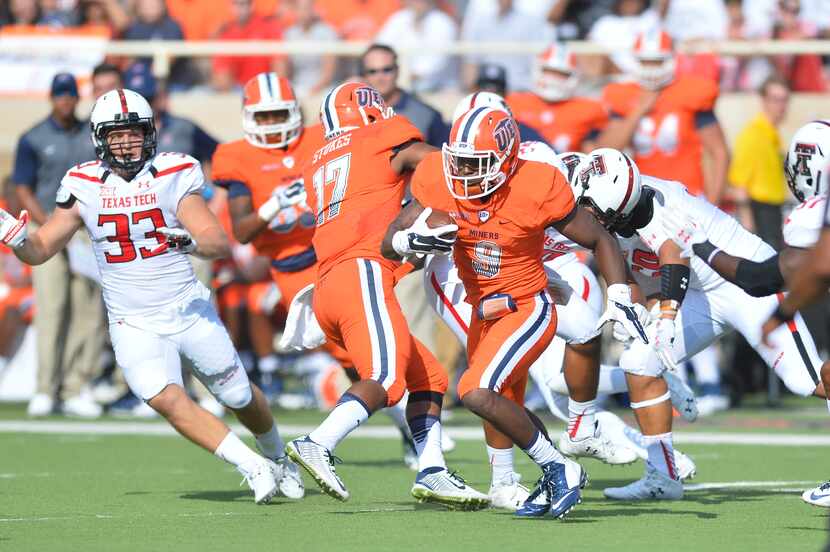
(140, 286)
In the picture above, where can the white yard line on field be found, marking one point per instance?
(389, 432)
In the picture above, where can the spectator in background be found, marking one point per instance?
(617, 30)
(694, 19)
(357, 19)
(421, 22)
(230, 72)
(493, 78)
(507, 24)
(379, 68)
(803, 71)
(51, 15)
(173, 133)
(23, 12)
(104, 13)
(199, 19)
(757, 169)
(105, 77)
(573, 18)
(69, 317)
(310, 74)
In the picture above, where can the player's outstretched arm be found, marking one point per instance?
(246, 222)
(407, 156)
(203, 227)
(583, 228)
(38, 247)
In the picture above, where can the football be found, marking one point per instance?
(440, 218)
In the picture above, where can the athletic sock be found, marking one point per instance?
(501, 463)
(542, 451)
(661, 453)
(270, 443)
(426, 433)
(581, 420)
(233, 451)
(349, 413)
(398, 415)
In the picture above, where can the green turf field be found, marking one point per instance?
(84, 492)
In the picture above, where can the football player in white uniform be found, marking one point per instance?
(144, 213)
(696, 305)
(806, 166)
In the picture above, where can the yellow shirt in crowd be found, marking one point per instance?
(758, 164)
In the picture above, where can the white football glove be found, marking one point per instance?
(662, 331)
(282, 198)
(620, 310)
(420, 240)
(621, 332)
(176, 239)
(13, 232)
(683, 231)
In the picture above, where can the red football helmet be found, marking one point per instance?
(554, 74)
(352, 105)
(654, 53)
(264, 93)
(482, 152)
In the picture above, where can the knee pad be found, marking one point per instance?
(237, 397)
(651, 402)
(639, 359)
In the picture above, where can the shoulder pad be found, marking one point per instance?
(803, 225)
(170, 163)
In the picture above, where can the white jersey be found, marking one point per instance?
(723, 231)
(145, 289)
(558, 249)
(803, 225)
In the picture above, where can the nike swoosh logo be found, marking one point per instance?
(813, 496)
(564, 498)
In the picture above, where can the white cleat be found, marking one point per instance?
(440, 486)
(596, 446)
(686, 468)
(682, 397)
(40, 405)
(654, 485)
(289, 480)
(318, 461)
(261, 478)
(508, 494)
(82, 406)
(820, 496)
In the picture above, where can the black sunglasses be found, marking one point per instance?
(385, 70)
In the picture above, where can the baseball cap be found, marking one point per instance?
(139, 77)
(491, 74)
(64, 84)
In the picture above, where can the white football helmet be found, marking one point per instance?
(571, 160)
(650, 47)
(119, 109)
(270, 92)
(807, 160)
(554, 74)
(480, 99)
(608, 182)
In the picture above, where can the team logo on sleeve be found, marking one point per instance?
(803, 152)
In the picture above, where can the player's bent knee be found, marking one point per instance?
(477, 400)
(236, 398)
(641, 361)
(395, 393)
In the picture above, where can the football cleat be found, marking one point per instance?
(820, 496)
(557, 492)
(319, 462)
(596, 446)
(686, 468)
(508, 493)
(261, 478)
(682, 397)
(289, 480)
(654, 485)
(440, 486)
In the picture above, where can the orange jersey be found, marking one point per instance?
(245, 169)
(354, 192)
(500, 240)
(666, 143)
(565, 125)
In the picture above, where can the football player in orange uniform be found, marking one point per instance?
(502, 205)
(566, 122)
(667, 121)
(355, 185)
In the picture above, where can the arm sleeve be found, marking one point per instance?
(705, 118)
(559, 202)
(191, 182)
(25, 164)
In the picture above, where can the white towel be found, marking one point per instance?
(301, 328)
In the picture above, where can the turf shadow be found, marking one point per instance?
(620, 509)
(720, 496)
(242, 495)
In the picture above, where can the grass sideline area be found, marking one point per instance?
(86, 491)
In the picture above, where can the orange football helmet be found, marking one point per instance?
(264, 93)
(482, 152)
(654, 53)
(554, 73)
(352, 105)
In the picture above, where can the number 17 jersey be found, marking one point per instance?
(146, 289)
(354, 192)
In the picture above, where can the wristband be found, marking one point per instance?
(400, 243)
(674, 281)
(705, 251)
